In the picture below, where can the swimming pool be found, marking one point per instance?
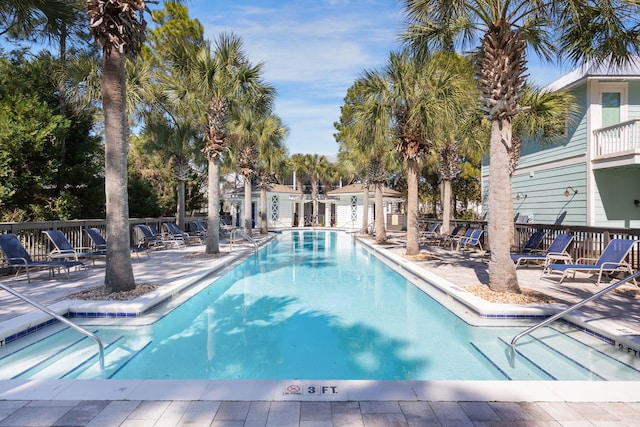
(316, 305)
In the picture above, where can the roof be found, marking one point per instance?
(630, 70)
(357, 189)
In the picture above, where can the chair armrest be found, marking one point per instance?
(15, 261)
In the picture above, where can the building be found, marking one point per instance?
(592, 177)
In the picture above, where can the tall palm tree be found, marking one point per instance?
(248, 132)
(118, 27)
(420, 91)
(216, 81)
(370, 127)
(576, 30)
(271, 160)
(176, 145)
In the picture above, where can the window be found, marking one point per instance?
(610, 108)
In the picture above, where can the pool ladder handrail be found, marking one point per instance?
(572, 308)
(60, 318)
(249, 239)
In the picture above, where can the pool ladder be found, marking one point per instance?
(61, 319)
(555, 317)
(248, 239)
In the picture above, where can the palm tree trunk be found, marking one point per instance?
(413, 247)
(502, 271)
(446, 206)
(381, 232)
(247, 205)
(263, 211)
(118, 271)
(365, 210)
(181, 204)
(213, 205)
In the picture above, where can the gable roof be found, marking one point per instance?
(630, 70)
(357, 189)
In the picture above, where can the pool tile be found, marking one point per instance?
(173, 414)
(232, 411)
(114, 414)
(35, 415)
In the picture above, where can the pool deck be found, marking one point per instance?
(332, 403)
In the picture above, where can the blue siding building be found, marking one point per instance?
(592, 176)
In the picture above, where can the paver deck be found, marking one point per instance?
(358, 403)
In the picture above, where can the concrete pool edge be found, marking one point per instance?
(321, 390)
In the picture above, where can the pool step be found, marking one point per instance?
(497, 356)
(65, 363)
(596, 359)
(35, 350)
(67, 354)
(544, 354)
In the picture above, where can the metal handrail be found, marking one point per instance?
(60, 319)
(572, 308)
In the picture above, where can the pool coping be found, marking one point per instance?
(338, 390)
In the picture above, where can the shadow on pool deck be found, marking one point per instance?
(359, 403)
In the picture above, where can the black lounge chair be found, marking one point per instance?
(64, 250)
(100, 243)
(18, 258)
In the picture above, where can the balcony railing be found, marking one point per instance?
(617, 139)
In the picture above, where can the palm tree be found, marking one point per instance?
(176, 145)
(271, 160)
(217, 81)
(118, 27)
(420, 91)
(248, 133)
(371, 134)
(577, 30)
(23, 16)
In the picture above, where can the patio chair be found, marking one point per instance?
(198, 228)
(455, 241)
(533, 243)
(100, 244)
(18, 258)
(557, 251)
(448, 238)
(150, 239)
(64, 250)
(176, 232)
(429, 234)
(610, 261)
(473, 239)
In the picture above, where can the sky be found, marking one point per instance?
(313, 51)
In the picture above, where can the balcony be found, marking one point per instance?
(617, 145)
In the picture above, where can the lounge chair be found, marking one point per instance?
(100, 244)
(455, 241)
(472, 240)
(154, 240)
(176, 232)
(557, 251)
(198, 228)
(429, 234)
(610, 261)
(448, 238)
(533, 243)
(18, 257)
(64, 250)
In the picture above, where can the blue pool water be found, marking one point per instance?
(317, 305)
